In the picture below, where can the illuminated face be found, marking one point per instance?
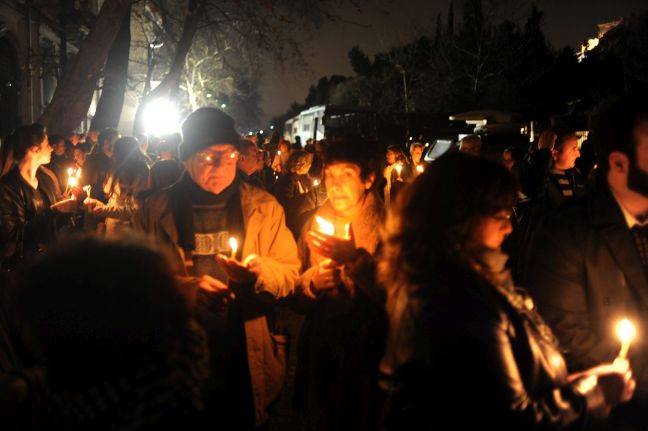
(214, 168)
(494, 229)
(391, 157)
(59, 147)
(43, 152)
(565, 157)
(79, 157)
(470, 146)
(417, 153)
(251, 160)
(345, 187)
(507, 160)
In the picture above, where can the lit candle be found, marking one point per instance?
(315, 183)
(279, 152)
(419, 169)
(234, 245)
(399, 168)
(325, 226)
(87, 190)
(626, 332)
(328, 228)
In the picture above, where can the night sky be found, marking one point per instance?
(381, 24)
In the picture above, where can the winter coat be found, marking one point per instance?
(24, 232)
(471, 353)
(342, 338)
(585, 273)
(266, 235)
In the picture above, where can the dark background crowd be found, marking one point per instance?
(206, 280)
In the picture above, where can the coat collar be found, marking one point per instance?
(607, 218)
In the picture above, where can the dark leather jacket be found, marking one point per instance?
(23, 229)
(460, 352)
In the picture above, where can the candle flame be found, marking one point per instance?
(325, 226)
(234, 245)
(626, 331)
(73, 181)
(315, 183)
(70, 171)
(419, 169)
(78, 173)
(399, 168)
(279, 152)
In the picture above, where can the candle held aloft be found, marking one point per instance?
(626, 332)
(234, 245)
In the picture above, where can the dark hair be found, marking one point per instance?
(355, 150)
(129, 165)
(614, 124)
(297, 158)
(100, 308)
(170, 143)
(26, 137)
(53, 139)
(164, 173)
(245, 145)
(107, 134)
(420, 234)
(516, 154)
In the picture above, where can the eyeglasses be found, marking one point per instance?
(216, 158)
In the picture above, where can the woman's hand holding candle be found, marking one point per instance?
(340, 250)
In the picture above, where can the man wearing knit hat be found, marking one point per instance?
(231, 286)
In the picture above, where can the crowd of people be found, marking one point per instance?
(144, 283)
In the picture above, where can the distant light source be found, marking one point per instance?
(223, 105)
(250, 133)
(161, 117)
(209, 95)
(271, 127)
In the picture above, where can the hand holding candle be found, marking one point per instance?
(626, 332)
(326, 244)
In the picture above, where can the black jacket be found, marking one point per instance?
(461, 353)
(554, 198)
(23, 231)
(585, 273)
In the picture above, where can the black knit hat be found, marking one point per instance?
(206, 127)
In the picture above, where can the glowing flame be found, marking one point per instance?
(234, 246)
(315, 183)
(420, 169)
(626, 332)
(87, 190)
(325, 226)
